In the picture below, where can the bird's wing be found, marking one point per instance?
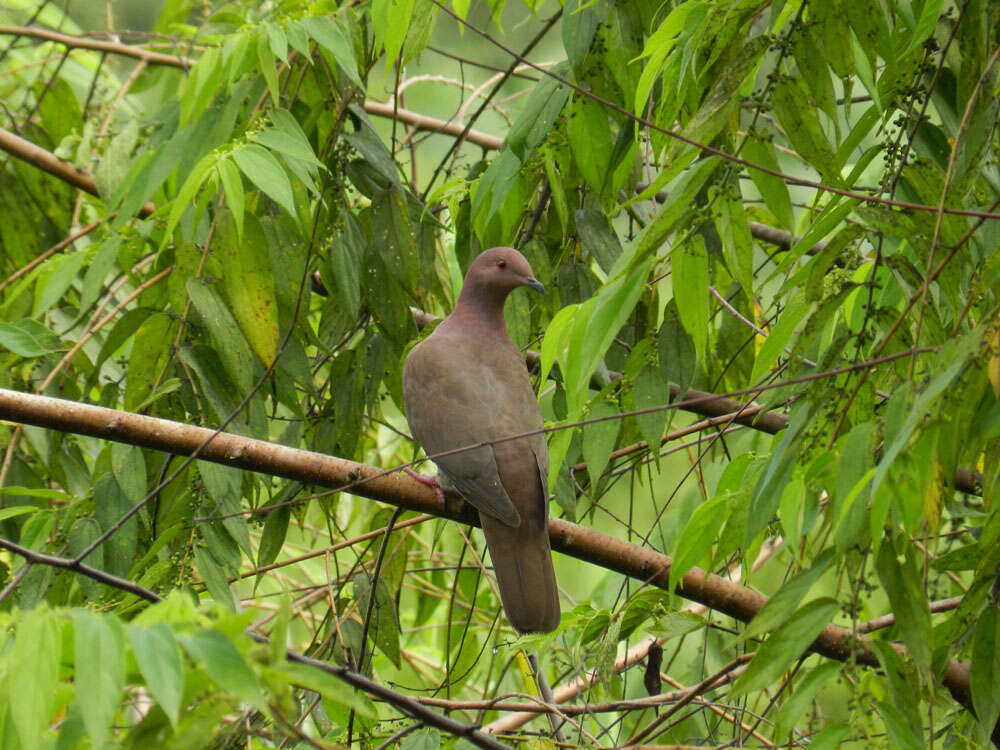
(477, 478)
(449, 408)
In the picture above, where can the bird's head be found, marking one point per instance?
(497, 272)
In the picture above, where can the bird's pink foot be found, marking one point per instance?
(430, 481)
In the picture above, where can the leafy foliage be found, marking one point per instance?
(793, 203)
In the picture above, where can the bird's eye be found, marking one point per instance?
(501, 264)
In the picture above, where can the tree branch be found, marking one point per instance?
(400, 490)
(49, 162)
(79, 42)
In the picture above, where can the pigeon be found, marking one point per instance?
(467, 385)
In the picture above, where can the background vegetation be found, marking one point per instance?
(244, 217)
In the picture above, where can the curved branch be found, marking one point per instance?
(79, 42)
(433, 124)
(420, 122)
(397, 489)
(49, 162)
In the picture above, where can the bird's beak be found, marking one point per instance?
(532, 283)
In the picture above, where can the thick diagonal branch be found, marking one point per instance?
(400, 490)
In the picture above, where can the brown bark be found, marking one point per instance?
(49, 162)
(400, 490)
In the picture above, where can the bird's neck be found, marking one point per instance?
(480, 311)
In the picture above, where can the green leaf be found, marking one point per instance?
(249, 284)
(865, 72)
(232, 183)
(123, 329)
(914, 416)
(222, 394)
(772, 189)
(689, 277)
(785, 645)
(33, 672)
(264, 171)
(605, 652)
(888, 222)
(598, 238)
(984, 682)
(599, 439)
(395, 238)
(347, 248)
(286, 137)
(779, 338)
(225, 665)
(277, 39)
(186, 195)
(814, 68)
(661, 42)
(676, 624)
(722, 101)
(383, 629)
(420, 29)
(225, 485)
(802, 697)
(694, 544)
(836, 35)
(831, 218)
(580, 21)
(427, 738)
(202, 84)
(273, 537)
(12, 511)
(737, 243)
(110, 505)
(149, 360)
(904, 587)
(900, 733)
(831, 737)
(558, 191)
(267, 67)
(648, 391)
(159, 659)
(114, 162)
(129, 469)
(390, 20)
(800, 123)
(330, 37)
(532, 126)
(590, 139)
(554, 343)
(228, 340)
(330, 688)
(680, 196)
(595, 328)
(100, 671)
(98, 270)
(962, 558)
(214, 577)
(28, 338)
(930, 12)
(677, 356)
(781, 606)
(52, 284)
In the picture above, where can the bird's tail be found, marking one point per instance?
(522, 560)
